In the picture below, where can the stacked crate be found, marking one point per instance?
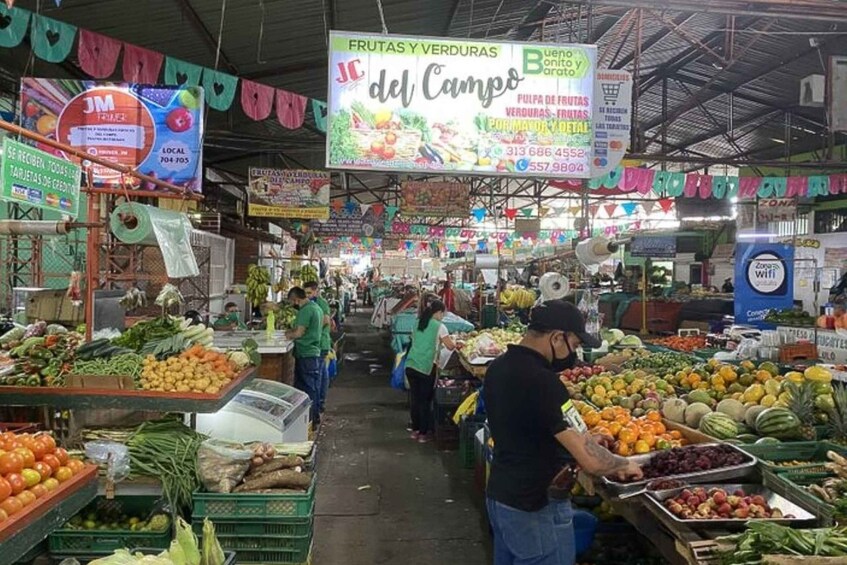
(260, 528)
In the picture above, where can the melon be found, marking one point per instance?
(767, 441)
(694, 413)
(732, 408)
(699, 396)
(674, 410)
(751, 414)
(718, 425)
(747, 438)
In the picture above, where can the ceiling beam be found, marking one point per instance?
(677, 28)
(817, 10)
(207, 37)
(528, 25)
(653, 40)
(720, 130)
(453, 12)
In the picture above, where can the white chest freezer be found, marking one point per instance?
(265, 411)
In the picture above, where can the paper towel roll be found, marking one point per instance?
(553, 286)
(486, 262)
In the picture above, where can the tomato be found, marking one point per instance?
(26, 440)
(11, 506)
(63, 474)
(53, 461)
(3, 516)
(50, 484)
(48, 440)
(39, 448)
(26, 498)
(76, 466)
(16, 482)
(390, 138)
(389, 152)
(39, 491)
(43, 469)
(11, 463)
(62, 456)
(5, 489)
(31, 477)
(28, 456)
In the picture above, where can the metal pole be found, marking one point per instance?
(92, 273)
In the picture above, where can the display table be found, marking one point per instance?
(832, 347)
(276, 351)
(477, 371)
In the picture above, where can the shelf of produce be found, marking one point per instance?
(22, 531)
(129, 399)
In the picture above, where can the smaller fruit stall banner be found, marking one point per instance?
(764, 280)
(36, 178)
(350, 219)
(284, 193)
(437, 199)
(156, 129)
(399, 103)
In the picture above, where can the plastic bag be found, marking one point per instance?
(747, 349)
(112, 454)
(486, 347)
(398, 374)
(221, 465)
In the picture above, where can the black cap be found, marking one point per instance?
(562, 316)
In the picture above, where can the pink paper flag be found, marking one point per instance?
(377, 209)
(98, 54)
(748, 186)
(797, 186)
(705, 189)
(257, 100)
(610, 209)
(691, 182)
(141, 66)
(838, 184)
(290, 108)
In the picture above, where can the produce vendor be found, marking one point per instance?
(447, 297)
(539, 441)
(307, 347)
(313, 292)
(231, 319)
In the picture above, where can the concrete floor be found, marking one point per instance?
(383, 498)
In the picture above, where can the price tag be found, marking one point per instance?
(572, 417)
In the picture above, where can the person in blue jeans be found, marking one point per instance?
(313, 293)
(539, 440)
(307, 351)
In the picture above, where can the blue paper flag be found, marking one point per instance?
(479, 214)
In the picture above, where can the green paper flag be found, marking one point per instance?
(219, 89)
(675, 185)
(319, 112)
(51, 39)
(179, 72)
(14, 32)
(527, 212)
(773, 187)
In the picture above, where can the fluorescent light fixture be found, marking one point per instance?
(756, 235)
(781, 141)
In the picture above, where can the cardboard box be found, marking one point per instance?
(53, 306)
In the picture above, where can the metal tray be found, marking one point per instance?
(774, 501)
(712, 475)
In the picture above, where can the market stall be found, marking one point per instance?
(275, 350)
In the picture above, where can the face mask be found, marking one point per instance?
(232, 316)
(559, 364)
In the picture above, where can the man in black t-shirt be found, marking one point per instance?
(539, 439)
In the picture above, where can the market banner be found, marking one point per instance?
(776, 210)
(36, 178)
(350, 221)
(410, 103)
(286, 193)
(764, 280)
(656, 247)
(157, 130)
(438, 199)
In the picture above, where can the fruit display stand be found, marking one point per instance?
(24, 530)
(125, 398)
(275, 349)
(477, 371)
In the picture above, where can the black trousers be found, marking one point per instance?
(421, 393)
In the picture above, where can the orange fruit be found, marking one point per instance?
(63, 474)
(591, 419)
(676, 434)
(649, 438)
(602, 430)
(624, 449)
(608, 414)
(615, 428)
(627, 435)
(642, 446)
(659, 428)
(654, 416)
(623, 418)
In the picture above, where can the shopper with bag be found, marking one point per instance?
(539, 441)
(429, 334)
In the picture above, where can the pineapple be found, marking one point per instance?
(802, 403)
(838, 416)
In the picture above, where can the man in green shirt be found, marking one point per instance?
(307, 347)
(231, 319)
(313, 292)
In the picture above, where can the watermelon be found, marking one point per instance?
(767, 441)
(778, 422)
(751, 415)
(747, 438)
(718, 425)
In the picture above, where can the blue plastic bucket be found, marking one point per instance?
(584, 526)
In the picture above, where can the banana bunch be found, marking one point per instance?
(308, 273)
(517, 297)
(258, 282)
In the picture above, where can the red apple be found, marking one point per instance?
(179, 120)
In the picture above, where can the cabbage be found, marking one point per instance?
(613, 336)
(631, 341)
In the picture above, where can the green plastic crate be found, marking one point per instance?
(276, 557)
(770, 454)
(298, 545)
(278, 528)
(68, 542)
(791, 486)
(248, 506)
(468, 428)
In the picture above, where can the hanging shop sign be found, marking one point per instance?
(36, 178)
(764, 280)
(437, 199)
(527, 225)
(663, 247)
(776, 210)
(349, 220)
(284, 193)
(472, 106)
(157, 130)
(612, 119)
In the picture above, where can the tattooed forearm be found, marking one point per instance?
(605, 462)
